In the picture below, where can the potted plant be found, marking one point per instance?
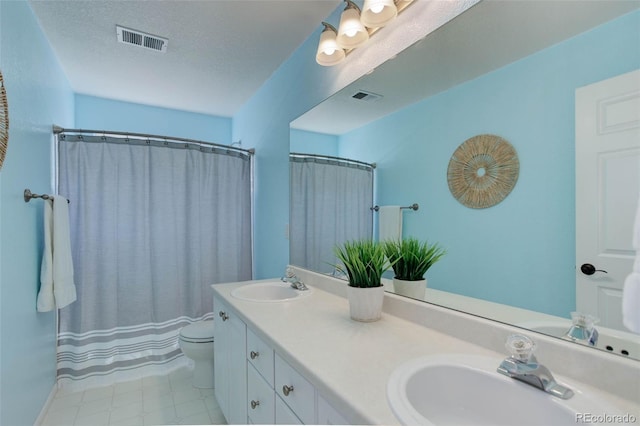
(410, 260)
(363, 262)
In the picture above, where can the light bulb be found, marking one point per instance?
(378, 13)
(351, 32)
(329, 53)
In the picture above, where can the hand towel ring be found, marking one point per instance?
(482, 171)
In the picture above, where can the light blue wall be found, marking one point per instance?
(520, 252)
(39, 96)
(106, 114)
(294, 88)
(263, 123)
(305, 142)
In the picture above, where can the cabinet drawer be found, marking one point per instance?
(295, 391)
(260, 399)
(260, 355)
(327, 415)
(284, 415)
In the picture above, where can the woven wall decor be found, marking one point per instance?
(483, 171)
(4, 121)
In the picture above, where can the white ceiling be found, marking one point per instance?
(219, 51)
(487, 36)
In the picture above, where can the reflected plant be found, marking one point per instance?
(410, 258)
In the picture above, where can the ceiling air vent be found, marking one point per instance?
(366, 96)
(140, 39)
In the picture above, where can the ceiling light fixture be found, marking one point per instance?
(329, 53)
(351, 32)
(355, 28)
(378, 13)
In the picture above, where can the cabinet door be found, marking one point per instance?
(230, 366)
(260, 398)
(327, 415)
(237, 369)
(295, 391)
(221, 356)
(284, 415)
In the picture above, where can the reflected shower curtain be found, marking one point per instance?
(330, 203)
(153, 225)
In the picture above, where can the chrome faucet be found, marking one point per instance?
(583, 330)
(522, 365)
(291, 278)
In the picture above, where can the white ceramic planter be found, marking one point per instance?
(365, 304)
(413, 289)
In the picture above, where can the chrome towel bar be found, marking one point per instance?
(28, 196)
(413, 206)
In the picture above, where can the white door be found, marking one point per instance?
(607, 190)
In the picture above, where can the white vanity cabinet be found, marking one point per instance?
(277, 393)
(230, 336)
(254, 384)
(264, 406)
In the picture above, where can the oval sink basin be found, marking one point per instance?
(467, 390)
(269, 291)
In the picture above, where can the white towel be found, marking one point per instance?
(390, 223)
(631, 292)
(57, 288)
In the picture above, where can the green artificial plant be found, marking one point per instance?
(363, 262)
(410, 258)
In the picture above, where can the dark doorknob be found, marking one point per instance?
(589, 269)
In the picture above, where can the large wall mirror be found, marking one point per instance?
(509, 69)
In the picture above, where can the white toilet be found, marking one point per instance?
(196, 342)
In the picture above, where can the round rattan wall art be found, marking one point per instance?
(483, 171)
(4, 121)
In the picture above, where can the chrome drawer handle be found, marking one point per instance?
(254, 404)
(223, 315)
(287, 390)
(254, 354)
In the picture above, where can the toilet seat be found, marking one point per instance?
(198, 332)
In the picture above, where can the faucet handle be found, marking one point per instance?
(521, 347)
(288, 273)
(584, 320)
(582, 329)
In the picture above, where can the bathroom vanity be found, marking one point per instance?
(273, 392)
(302, 360)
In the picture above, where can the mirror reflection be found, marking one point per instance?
(525, 72)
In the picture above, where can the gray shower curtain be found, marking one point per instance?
(153, 225)
(330, 203)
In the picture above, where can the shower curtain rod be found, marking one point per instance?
(329, 157)
(58, 130)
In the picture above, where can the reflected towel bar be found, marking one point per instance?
(413, 206)
(28, 196)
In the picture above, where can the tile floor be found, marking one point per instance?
(154, 400)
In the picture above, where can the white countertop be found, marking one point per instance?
(349, 362)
